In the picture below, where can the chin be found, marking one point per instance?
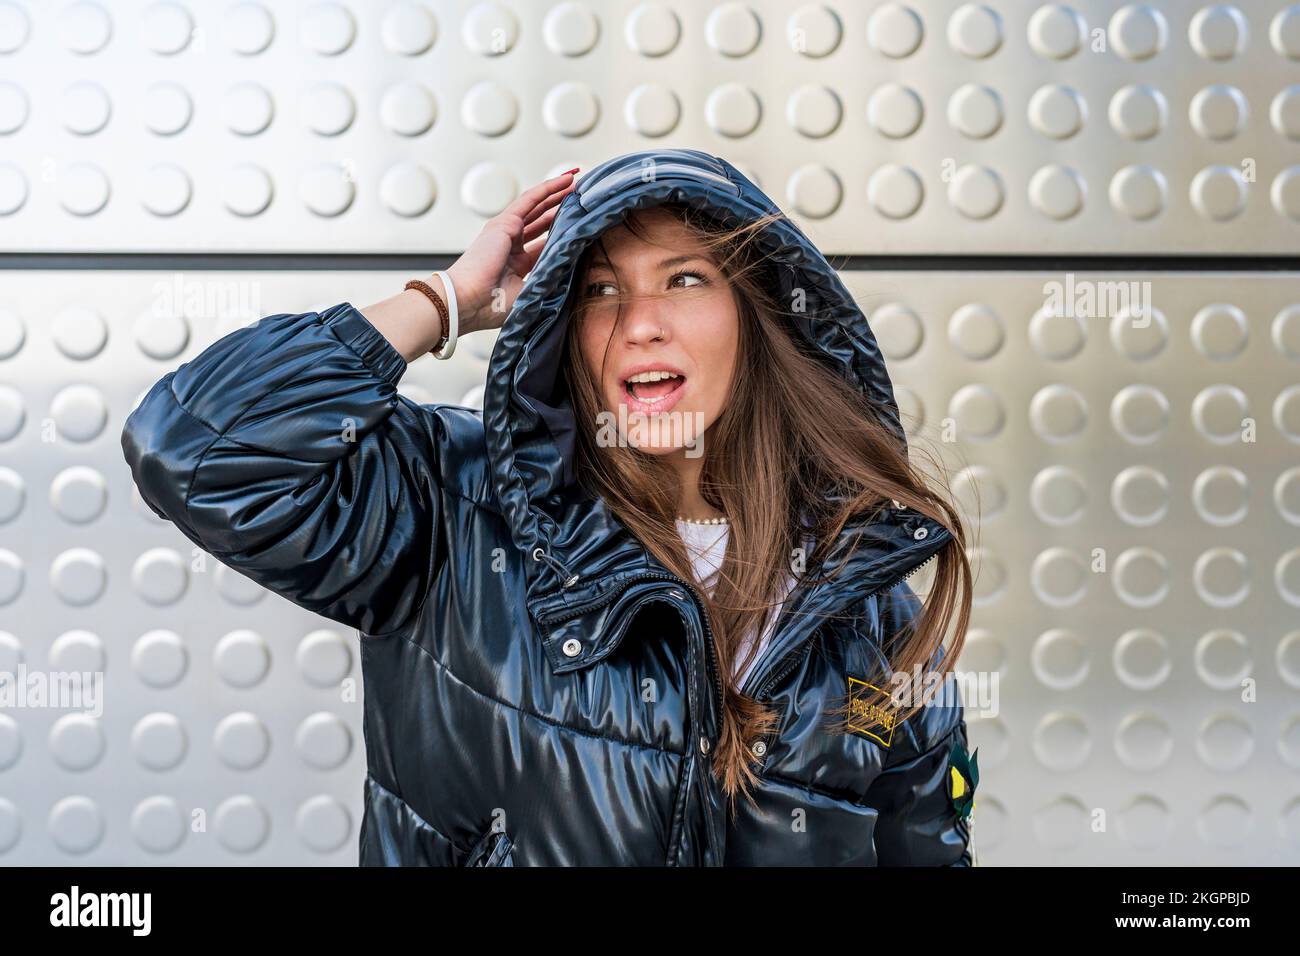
(662, 433)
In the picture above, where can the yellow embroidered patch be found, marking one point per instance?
(958, 782)
(870, 719)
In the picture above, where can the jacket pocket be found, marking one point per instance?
(492, 849)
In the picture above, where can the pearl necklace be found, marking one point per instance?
(703, 520)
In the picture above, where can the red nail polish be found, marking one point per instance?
(573, 170)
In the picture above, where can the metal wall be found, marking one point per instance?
(1132, 475)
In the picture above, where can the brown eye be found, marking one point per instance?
(593, 289)
(699, 279)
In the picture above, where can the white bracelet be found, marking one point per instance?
(453, 318)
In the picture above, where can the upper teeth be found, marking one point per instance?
(651, 376)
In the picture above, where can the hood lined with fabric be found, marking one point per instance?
(529, 421)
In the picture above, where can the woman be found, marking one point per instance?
(549, 677)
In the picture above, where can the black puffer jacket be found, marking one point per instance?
(538, 688)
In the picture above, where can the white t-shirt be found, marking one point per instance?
(706, 544)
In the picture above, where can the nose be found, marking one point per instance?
(644, 322)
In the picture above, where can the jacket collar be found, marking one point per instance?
(530, 427)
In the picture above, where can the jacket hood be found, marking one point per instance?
(528, 420)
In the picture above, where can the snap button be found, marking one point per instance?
(572, 647)
(897, 505)
(704, 745)
(920, 533)
(759, 748)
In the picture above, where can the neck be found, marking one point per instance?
(689, 503)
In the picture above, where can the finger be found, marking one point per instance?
(539, 225)
(552, 200)
(524, 203)
(528, 259)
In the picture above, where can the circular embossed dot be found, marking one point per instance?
(249, 28)
(325, 658)
(1139, 192)
(1141, 659)
(247, 108)
(1284, 112)
(490, 29)
(158, 824)
(323, 824)
(1218, 112)
(408, 189)
(165, 28)
(241, 658)
(84, 28)
(1285, 332)
(246, 190)
(237, 588)
(11, 742)
(1219, 413)
(814, 30)
(1055, 335)
(159, 658)
(13, 333)
(1284, 31)
(652, 110)
(1221, 495)
(78, 576)
(79, 494)
(1060, 659)
(570, 29)
(1140, 414)
(166, 109)
(571, 109)
(78, 650)
(899, 331)
(327, 28)
(895, 110)
(1138, 31)
(408, 108)
(1056, 31)
(1146, 822)
(895, 192)
(975, 192)
(1138, 111)
(652, 29)
(242, 825)
(815, 111)
(733, 109)
(161, 335)
(1218, 32)
(14, 108)
(160, 576)
(1058, 413)
(1058, 496)
(13, 189)
(488, 188)
(976, 331)
(1222, 659)
(323, 741)
(1225, 822)
(1225, 742)
(489, 109)
(408, 29)
(165, 189)
(1061, 742)
(79, 413)
(327, 189)
(85, 108)
(1218, 193)
(79, 333)
(1288, 659)
(1140, 577)
(733, 30)
(11, 822)
(1144, 741)
(76, 741)
(974, 30)
(979, 413)
(1057, 111)
(328, 109)
(11, 576)
(1058, 192)
(83, 189)
(1061, 824)
(1138, 330)
(12, 412)
(158, 741)
(76, 824)
(1220, 331)
(1284, 194)
(13, 494)
(11, 654)
(1140, 496)
(894, 30)
(14, 27)
(975, 111)
(814, 191)
(241, 741)
(1222, 577)
(1059, 577)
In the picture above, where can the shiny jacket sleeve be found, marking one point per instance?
(284, 451)
(916, 796)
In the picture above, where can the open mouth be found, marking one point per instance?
(653, 391)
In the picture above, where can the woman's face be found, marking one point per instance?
(678, 317)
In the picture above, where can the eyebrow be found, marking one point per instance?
(665, 264)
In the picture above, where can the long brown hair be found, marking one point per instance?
(795, 444)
